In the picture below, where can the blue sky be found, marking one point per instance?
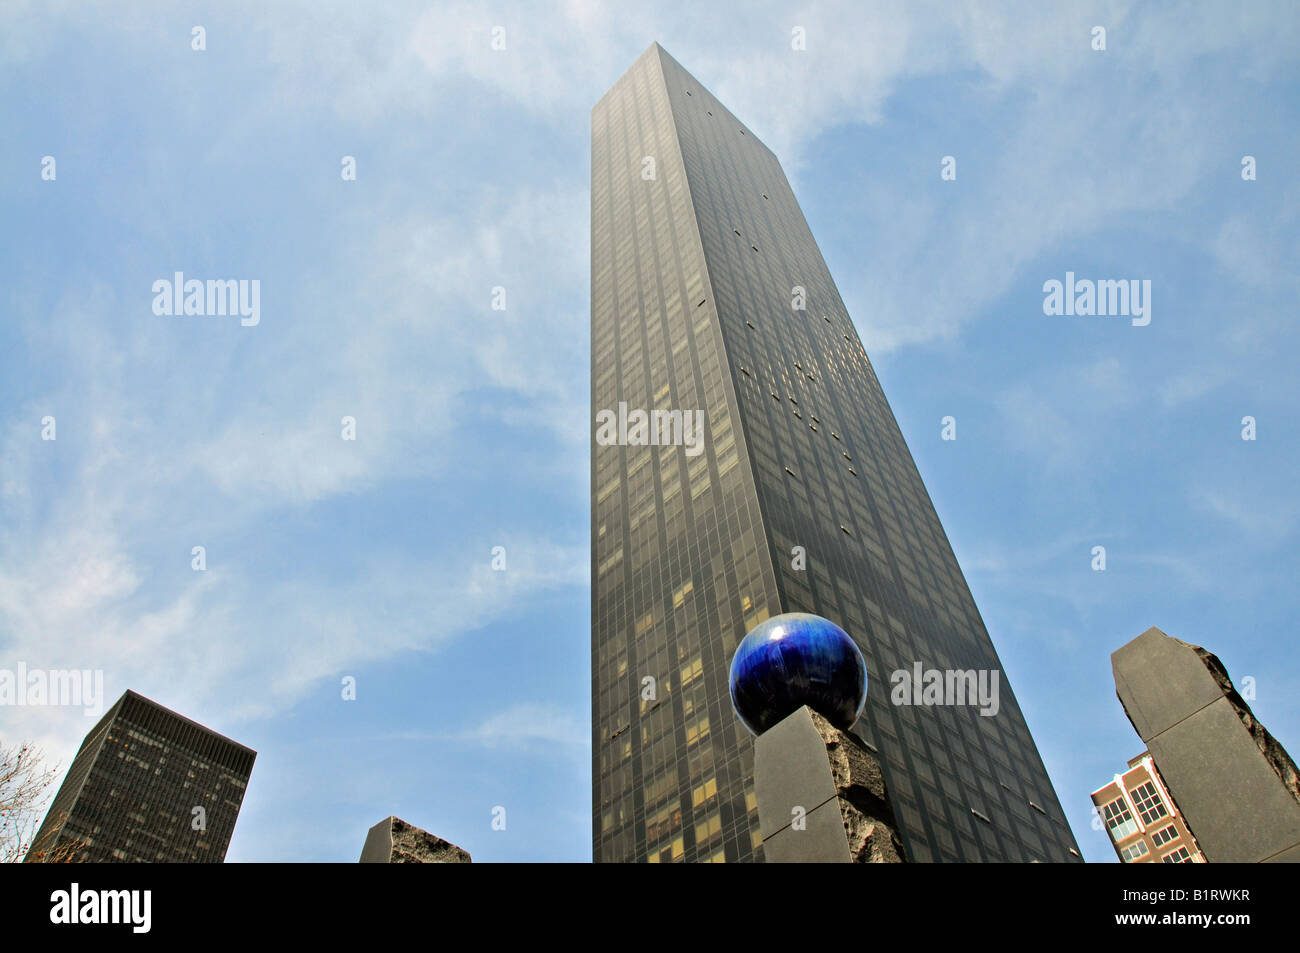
(372, 558)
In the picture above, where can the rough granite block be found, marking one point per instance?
(805, 762)
(393, 841)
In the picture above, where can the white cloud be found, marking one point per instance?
(1084, 140)
(526, 724)
(243, 646)
(1255, 514)
(164, 442)
(1033, 423)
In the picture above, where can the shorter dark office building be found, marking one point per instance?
(147, 786)
(1237, 788)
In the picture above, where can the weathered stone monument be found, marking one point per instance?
(393, 841)
(821, 796)
(799, 682)
(1236, 786)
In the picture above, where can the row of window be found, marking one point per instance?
(1179, 855)
(1149, 805)
(1151, 808)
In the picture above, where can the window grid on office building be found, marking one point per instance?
(1165, 835)
(149, 786)
(1132, 853)
(1119, 820)
(1147, 800)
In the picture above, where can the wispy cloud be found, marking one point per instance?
(527, 725)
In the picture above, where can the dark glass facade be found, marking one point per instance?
(132, 790)
(709, 293)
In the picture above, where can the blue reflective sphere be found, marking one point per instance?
(793, 660)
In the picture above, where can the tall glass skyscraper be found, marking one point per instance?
(709, 294)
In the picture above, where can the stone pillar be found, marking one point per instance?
(1236, 786)
(821, 796)
(393, 841)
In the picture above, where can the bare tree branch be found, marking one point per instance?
(26, 786)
